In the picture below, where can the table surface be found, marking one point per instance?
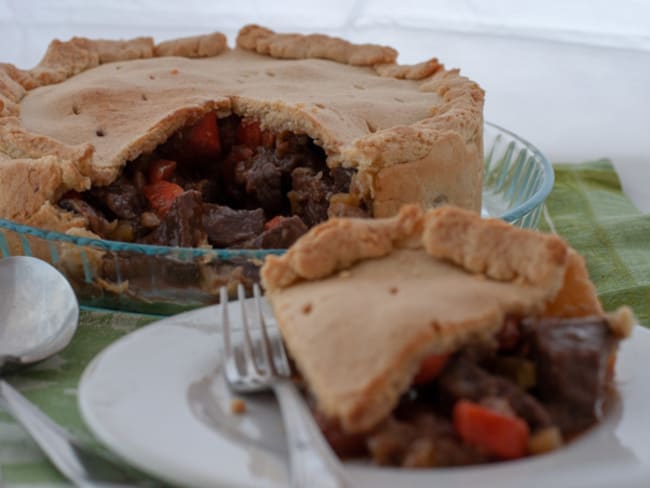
(572, 77)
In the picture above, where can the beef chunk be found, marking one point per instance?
(233, 171)
(463, 378)
(265, 172)
(96, 220)
(310, 195)
(183, 224)
(572, 358)
(284, 233)
(121, 197)
(264, 180)
(226, 227)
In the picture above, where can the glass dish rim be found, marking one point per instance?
(548, 181)
(513, 214)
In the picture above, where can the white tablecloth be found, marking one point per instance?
(572, 76)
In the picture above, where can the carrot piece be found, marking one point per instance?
(161, 195)
(274, 222)
(249, 133)
(430, 368)
(501, 435)
(203, 140)
(162, 169)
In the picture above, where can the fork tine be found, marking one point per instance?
(281, 354)
(247, 346)
(310, 456)
(230, 361)
(278, 356)
(267, 350)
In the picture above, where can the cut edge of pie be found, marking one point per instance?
(395, 165)
(360, 304)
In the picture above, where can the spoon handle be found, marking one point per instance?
(81, 464)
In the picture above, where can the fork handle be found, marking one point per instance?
(313, 463)
(69, 457)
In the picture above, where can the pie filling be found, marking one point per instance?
(221, 182)
(540, 383)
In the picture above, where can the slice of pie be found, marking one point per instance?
(191, 143)
(441, 338)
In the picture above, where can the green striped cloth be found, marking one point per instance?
(587, 207)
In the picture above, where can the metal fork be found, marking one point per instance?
(259, 363)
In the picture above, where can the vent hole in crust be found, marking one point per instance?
(435, 326)
(307, 308)
(75, 109)
(393, 290)
(439, 200)
(152, 77)
(144, 97)
(100, 133)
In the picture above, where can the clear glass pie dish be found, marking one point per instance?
(164, 280)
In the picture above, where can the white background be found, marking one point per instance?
(571, 76)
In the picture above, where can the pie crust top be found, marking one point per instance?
(91, 106)
(360, 303)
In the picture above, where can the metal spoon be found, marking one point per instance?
(38, 311)
(38, 317)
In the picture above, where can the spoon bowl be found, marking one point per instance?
(38, 310)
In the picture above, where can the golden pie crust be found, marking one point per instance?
(361, 303)
(414, 133)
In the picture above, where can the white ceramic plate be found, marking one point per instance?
(156, 399)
